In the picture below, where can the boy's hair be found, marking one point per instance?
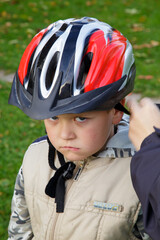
(73, 66)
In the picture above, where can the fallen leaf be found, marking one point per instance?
(147, 45)
(32, 125)
(45, 14)
(143, 18)
(29, 36)
(137, 27)
(3, 1)
(155, 43)
(90, 3)
(12, 42)
(30, 19)
(131, 11)
(53, 4)
(15, 16)
(7, 132)
(8, 24)
(32, 4)
(146, 77)
(144, 45)
(148, 61)
(30, 31)
(23, 25)
(4, 14)
(14, 2)
(140, 55)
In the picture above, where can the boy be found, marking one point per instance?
(75, 75)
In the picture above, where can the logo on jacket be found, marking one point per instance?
(111, 207)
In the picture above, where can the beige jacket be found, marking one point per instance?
(100, 204)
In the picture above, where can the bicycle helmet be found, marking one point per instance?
(73, 66)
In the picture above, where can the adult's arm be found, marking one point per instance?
(145, 165)
(145, 173)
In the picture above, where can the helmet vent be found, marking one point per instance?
(84, 69)
(51, 70)
(63, 27)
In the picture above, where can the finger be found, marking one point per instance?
(146, 101)
(132, 104)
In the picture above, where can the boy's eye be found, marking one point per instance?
(54, 118)
(80, 119)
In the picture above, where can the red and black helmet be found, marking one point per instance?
(73, 66)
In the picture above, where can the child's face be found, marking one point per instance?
(78, 136)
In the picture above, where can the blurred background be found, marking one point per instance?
(139, 21)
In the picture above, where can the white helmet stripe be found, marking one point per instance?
(80, 46)
(56, 26)
(129, 60)
(46, 39)
(58, 46)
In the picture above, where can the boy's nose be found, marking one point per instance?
(67, 131)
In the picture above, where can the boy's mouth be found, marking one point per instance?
(70, 148)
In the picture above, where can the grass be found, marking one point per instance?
(19, 21)
(17, 131)
(137, 20)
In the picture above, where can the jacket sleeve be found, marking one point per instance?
(19, 225)
(145, 173)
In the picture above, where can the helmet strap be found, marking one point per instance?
(121, 108)
(56, 185)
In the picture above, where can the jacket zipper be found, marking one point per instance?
(76, 177)
(53, 225)
(79, 171)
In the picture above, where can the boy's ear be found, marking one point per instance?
(118, 114)
(123, 101)
(117, 117)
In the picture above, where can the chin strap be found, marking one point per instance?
(121, 108)
(56, 185)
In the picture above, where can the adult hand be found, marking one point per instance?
(144, 116)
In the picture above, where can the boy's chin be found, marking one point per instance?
(74, 157)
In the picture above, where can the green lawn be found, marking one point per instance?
(138, 20)
(20, 20)
(17, 131)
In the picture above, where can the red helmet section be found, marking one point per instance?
(23, 66)
(108, 59)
